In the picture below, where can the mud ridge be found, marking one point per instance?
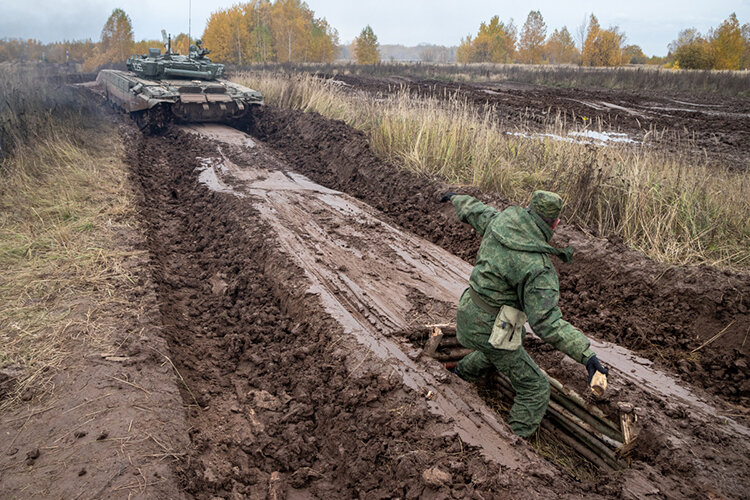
(610, 292)
(275, 402)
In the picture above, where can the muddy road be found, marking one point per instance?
(285, 301)
(712, 125)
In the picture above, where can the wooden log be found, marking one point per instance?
(450, 342)
(576, 398)
(578, 447)
(630, 427)
(610, 442)
(581, 413)
(433, 342)
(587, 439)
(455, 354)
(579, 434)
(448, 329)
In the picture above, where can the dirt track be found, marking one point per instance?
(706, 124)
(283, 303)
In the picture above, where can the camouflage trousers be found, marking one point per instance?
(473, 328)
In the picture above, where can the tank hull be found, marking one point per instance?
(186, 100)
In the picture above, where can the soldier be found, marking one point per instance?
(514, 281)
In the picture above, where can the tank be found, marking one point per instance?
(159, 88)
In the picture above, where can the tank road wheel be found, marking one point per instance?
(152, 121)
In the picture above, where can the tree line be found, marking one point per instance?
(261, 31)
(725, 47)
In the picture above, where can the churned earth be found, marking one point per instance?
(286, 305)
(286, 269)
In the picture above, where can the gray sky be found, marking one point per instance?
(648, 23)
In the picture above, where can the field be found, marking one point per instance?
(233, 312)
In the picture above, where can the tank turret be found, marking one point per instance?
(195, 65)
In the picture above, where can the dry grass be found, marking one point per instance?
(676, 209)
(64, 203)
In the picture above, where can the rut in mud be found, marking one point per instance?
(281, 397)
(277, 399)
(609, 291)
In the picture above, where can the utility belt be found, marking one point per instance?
(508, 328)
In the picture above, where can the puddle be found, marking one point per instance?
(603, 137)
(581, 137)
(220, 133)
(209, 176)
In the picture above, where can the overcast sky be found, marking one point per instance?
(652, 24)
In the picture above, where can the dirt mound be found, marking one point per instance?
(609, 291)
(273, 402)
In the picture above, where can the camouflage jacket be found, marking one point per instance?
(513, 268)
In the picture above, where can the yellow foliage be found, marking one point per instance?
(261, 31)
(366, 47)
(495, 42)
(602, 47)
(531, 43)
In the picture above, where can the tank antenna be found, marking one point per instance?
(190, 22)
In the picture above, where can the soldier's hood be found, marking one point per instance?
(520, 229)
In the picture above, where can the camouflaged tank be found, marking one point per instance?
(159, 88)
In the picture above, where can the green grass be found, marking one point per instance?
(676, 209)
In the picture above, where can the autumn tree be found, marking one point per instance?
(142, 46)
(495, 42)
(181, 44)
(531, 41)
(633, 54)
(261, 31)
(690, 50)
(226, 35)
(117, 36)
(602, 47)
(366, 47)
(745, 62)
(560, 48)
(116, 43)
(288, 18)
(726, 44)
(463, 52)
(322, 43)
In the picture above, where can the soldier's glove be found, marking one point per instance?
(447, 197)
(593, 365)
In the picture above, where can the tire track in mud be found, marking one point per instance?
(609, 291)
(685, 448)
(282, 391)
(276, 398)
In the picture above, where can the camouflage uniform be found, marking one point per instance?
(513, 268)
